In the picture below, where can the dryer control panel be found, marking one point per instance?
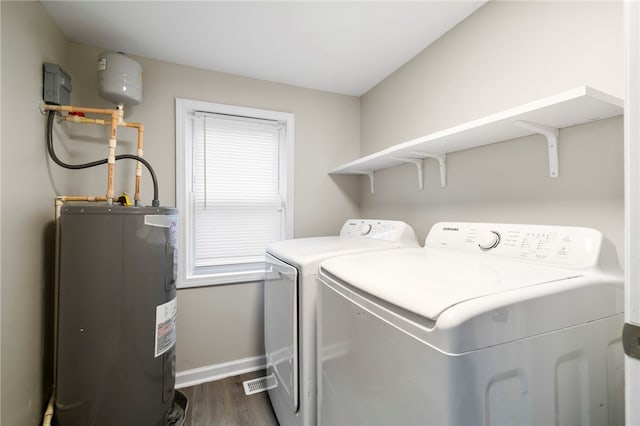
(558, 245)
(386, 230)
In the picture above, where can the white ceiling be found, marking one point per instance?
(341, 47)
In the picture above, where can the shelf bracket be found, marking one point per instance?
(551, 133)
(371, 178)
(442, 161)
(416, 162)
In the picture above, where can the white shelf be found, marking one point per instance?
(545, 116)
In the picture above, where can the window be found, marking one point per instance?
(234, 186)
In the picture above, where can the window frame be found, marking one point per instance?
(230, 274)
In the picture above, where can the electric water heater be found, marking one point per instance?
(116, 315)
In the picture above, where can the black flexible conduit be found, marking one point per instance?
(54, 157)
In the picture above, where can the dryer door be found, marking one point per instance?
(281, 332)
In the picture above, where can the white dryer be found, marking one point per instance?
(290, 308)
(488, 324)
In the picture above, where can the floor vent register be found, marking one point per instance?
(260, 384)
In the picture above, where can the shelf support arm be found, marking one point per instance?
(371, 178)
(551, 133)
(442, 161)
(418, 162)
(372, 182)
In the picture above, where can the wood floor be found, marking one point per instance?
(223, 403)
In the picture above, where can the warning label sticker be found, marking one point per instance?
(166, 326)
(102, 64)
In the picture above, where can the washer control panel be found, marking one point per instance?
(558, 245)
(488, 240)
(386, 230)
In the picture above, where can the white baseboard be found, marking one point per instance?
(211, 373)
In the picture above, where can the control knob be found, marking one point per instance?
(488, 240)
(365, 229)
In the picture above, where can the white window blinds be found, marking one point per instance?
(237, 193)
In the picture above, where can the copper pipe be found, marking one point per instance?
(80, 198)
(70, 108)
(116, 117)
(84, 120)
(139, 126)
(48, 414)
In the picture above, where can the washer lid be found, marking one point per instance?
(427, 281)
(307, 253)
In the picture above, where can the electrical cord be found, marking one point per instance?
(155, 202)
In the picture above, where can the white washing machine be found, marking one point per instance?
(290, 308)
(488, 324)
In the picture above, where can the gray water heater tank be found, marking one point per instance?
(116, 315)
(119, 78)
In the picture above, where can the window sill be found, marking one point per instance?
(224, 278)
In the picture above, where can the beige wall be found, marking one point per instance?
(223, 323)
(504, 55)
(29, 38)
(327, 131)
(215, 324)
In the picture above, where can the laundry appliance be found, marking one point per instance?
(290, 308)
(488, 324)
